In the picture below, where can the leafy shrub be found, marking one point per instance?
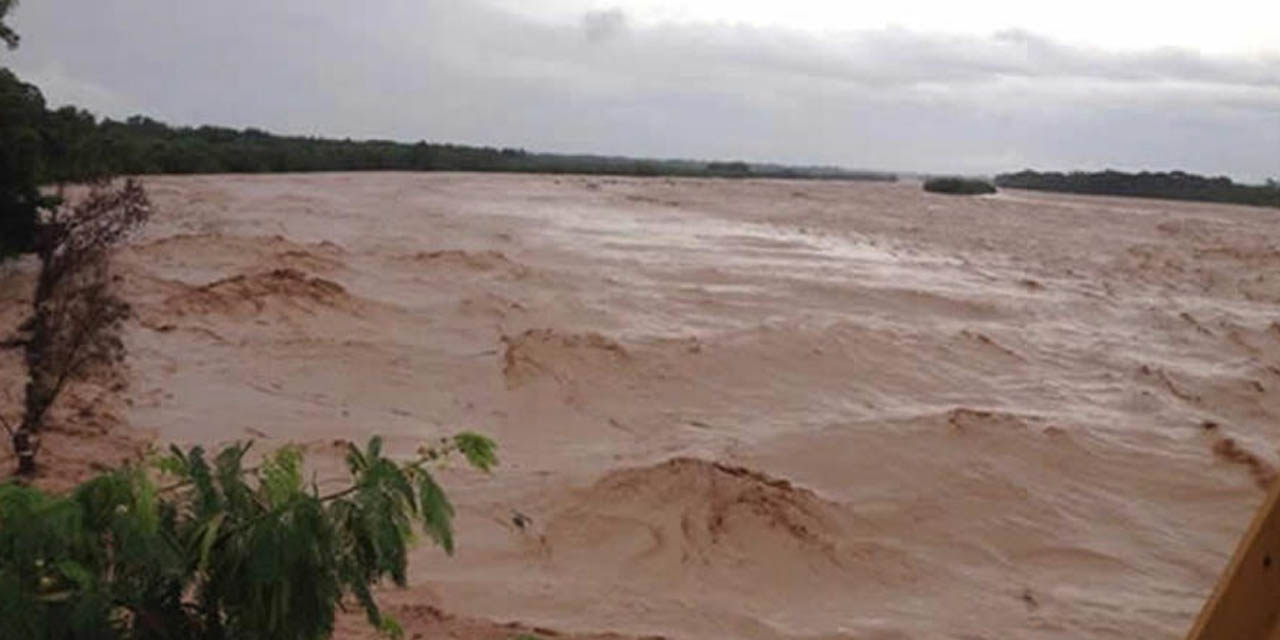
(224, 551)
(958, 186)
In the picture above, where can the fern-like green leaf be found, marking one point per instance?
(223, 553)
(146, 502)
(207, 539)
(435, 511)
(174, 464)
(478, 450)
(281, 475)
(356, 462)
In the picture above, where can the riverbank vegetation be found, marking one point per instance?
(1173, 185)
(186, 545)
(958, 186)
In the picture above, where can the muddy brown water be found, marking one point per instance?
(747, 409)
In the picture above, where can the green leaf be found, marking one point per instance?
(356, 461)
(478, 450)
(174, 464)
(281, 475)
(230, 553)
(207, 499)
(208, 538)
(76, 572)
(145, 502)
(435, 511)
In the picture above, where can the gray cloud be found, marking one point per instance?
(604, 25)
(462, 71)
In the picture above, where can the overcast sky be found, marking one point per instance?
(925, 85)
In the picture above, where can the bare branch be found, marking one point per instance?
(76, 318)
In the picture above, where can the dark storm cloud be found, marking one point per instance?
(461, 71)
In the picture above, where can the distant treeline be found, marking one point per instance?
(1175, 185)
(77, 143)
(956, 185)
(141, 145)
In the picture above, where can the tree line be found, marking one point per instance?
(74, 142)
(1174, 185)
(957, 185)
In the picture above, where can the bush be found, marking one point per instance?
(958, 186)
(222, 552)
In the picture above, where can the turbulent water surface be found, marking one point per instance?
(747, 409)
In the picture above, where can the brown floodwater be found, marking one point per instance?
(745, 409)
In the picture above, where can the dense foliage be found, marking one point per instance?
(1175, 185)
(22, 122)
(958, 186)
(21, 113)
(222, 552)
(141, 145)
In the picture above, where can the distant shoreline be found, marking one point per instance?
(1174, 185)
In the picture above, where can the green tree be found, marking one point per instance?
(958, 186)
(21, 162)
(21, 115)
(223, 551)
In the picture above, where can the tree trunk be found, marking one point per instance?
(39, 388)
(24, 448)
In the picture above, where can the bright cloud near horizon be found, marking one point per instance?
(910, 85)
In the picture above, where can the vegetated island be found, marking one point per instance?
(1174, 185)
(78, 143)
(958, 186)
